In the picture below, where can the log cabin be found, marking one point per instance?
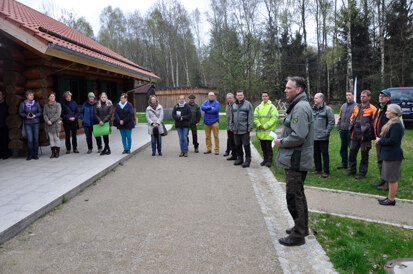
(45, 55)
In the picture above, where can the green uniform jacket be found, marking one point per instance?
(297, 137)
(196, 113)
(323, 122)
(265, 115)
(242, 117)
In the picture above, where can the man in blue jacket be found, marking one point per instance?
(211, 121)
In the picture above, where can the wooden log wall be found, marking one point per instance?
(20, 71)
(13, 85)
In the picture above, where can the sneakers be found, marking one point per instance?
(246, 164)
(342, 167)
(289, 230)
(186, 154)
(207, 152)
(160, 153)
(99, 150)
(153, 153)
(226, 154)
(238, 162)
(317, 172)
(216, 153)
(74, 151)
(325, 175)
(182, 154)
(387, 202)
(288, 241)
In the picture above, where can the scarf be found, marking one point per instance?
(122, 105)
(154, 106)
(181, 105)
(386, 128)
(28, 104)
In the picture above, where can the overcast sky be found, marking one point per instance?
(91, 9)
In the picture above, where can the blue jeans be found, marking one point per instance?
(126, 138)
(89, 132)
(32, 133)
(156, 141)
(183, 138)
(345, 145)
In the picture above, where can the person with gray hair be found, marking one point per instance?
(324, 122)
(391, 152)
(230, 135)
(211, 121)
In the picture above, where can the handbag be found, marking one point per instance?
(165, 132)
(23, 136)
(102, 130)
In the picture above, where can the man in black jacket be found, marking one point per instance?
(380, 120)
(342, 126)
(196, 116)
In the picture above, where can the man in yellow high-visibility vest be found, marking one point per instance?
(265, 121)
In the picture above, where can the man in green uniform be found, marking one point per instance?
(295, 156)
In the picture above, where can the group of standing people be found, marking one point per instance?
(358, 125)
(92, 113)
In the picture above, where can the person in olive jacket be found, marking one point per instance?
(391, 152)
(103, 114)
(70, 115)
(124, 122)
(195, 118)
(182, 113)
(51, 114)
(31, 111)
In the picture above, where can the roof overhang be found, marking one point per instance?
(61, 52)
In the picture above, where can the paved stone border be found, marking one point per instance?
(360, 218)
(271, 197)
(351, 192)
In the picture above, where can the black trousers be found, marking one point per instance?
(105, 140)
(321, 148)
(267, 150)
(70, 127)
(194, 131)
(243, 140)
(231, 143)
(364, 147)
(296, 201)
(4, 143)
(379, 160)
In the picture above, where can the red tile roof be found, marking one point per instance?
(31, 20)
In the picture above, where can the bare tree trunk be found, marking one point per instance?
(307, 72)
(172, 68)
(349, 82)
(177, 68)
(380, 10)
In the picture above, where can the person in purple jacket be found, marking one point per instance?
(70, 115)
(30, 111)
(124, 122)
(211, 120)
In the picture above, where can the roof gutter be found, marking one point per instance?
(82, 55)
(62, 37)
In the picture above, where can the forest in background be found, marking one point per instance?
(254, 45)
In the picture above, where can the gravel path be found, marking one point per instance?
(152, 215)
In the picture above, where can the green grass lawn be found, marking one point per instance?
(337, 180)
(360, 247)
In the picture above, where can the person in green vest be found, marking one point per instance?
(265, 121)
